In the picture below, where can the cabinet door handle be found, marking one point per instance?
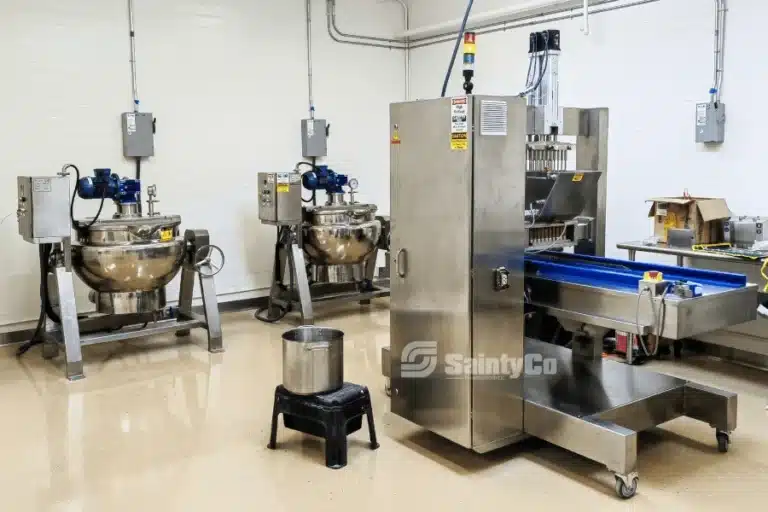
(401, 262)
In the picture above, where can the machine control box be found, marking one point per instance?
(710, 123)
(501, 279)
(314, 138)
(138, 134)
(43, 209)
(280, 198)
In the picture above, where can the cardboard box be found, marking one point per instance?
(704, 215)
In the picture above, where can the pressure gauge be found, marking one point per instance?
(353, 184)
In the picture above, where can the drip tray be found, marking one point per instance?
(565, 194)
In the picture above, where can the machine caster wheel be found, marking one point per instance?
(625, 491)
(723, 441)
(388, 388)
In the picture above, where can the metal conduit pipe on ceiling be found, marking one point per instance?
(414, 44)
(408, 42)
(539, 19)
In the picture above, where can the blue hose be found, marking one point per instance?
(456, 48)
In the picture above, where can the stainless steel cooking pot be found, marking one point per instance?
(313, 360)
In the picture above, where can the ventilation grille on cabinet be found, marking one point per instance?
(493, 118)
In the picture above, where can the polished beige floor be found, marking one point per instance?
(160, 426)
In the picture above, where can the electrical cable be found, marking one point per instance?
(101, 206)
(659, 319)
(658, 322)
(313, 198)
(45, 307)
(314, 192)
(528, 75)
(47, 255)
(138, 178)
(74, 194)
(74, 191)
(281, 311)
(544, 66)
(456, 48)
(637, 323)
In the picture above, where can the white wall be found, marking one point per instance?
(649, 65)
(227, 82)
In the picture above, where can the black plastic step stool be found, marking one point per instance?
(332, 416)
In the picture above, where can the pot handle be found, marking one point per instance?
(401, 263)
(317, 346)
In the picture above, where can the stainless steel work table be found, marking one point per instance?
(680, 253)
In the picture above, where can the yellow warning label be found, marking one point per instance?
(459, 142)
(396, 136)
(653, 275)
(166, 235)
(578, 177)
(670, 222)
(283, 188)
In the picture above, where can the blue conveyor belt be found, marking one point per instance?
(620, 274)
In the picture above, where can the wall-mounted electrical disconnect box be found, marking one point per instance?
(138, 134)
(314, 138)
(710, 123)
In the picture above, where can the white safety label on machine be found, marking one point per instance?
(459, 113)
(41, 184)
(130, 124)
(283, 177)
(295, 177)
(459, 124)
(701, 114)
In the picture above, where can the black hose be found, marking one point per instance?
(456, 48)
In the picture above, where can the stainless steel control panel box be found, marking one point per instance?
(43, 209)
(280, 198)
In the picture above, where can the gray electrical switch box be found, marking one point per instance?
(710, 123)
(314, 138)
(138, 134)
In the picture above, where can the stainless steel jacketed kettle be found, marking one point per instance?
(126, 261)
(330, 250)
